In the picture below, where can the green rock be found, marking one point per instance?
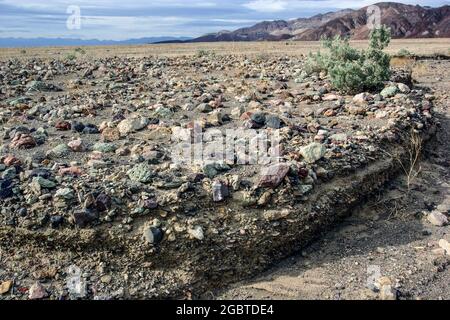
(104, 147)
(59, 151)
(163, 112)
(389, 92)
(140, 173)
(44, 183)
(313, 152)
(9, 173)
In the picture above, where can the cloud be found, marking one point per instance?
(267, 5)
(119, 19)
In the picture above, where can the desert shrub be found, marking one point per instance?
(80, 50)
(71, 56)
(350, 69)
(403, 53)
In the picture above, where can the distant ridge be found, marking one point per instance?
(41, 42)
(405, 21)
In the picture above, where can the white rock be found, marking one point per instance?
(132, 124)
(197, 233)
(437, 219)
(444, 244)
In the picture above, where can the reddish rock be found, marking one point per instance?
(272, 176)
(74, 171)
(23, 141)
(10, 161)
(246, 116)
(76, 145)
(63, 126)
(37, 291)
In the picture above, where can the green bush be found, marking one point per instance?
(71, 56)
(353, 70)
(403, 53)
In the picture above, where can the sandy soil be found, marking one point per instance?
(417, 46)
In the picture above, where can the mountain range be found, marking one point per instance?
(55, 42)
(405, 21)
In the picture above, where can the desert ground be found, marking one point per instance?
(418, 46)
(90, 193)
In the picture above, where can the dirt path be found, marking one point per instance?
(389, 236)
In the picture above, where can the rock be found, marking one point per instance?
(388, 293)
(313, 152)
(444, 244)
(103, 202)
(196, 233)
(23, 141)
(37, 291)
(60, 151)
(56, 221)
(9, 173)
(204, 108)
(274, 215)
(110, 134)
(5, 286)
(141, 173)
(339, 137)
(259, 118)
(76, 145)
(65, 193)
(40, 86)
(273, 121)
(403, 88)
(133, 124)
(90, 129)
(83, 217)
(11, 161)
(272, 176)
(6, 189)
(220, 191)
(361, 98)
(437, 219)
(213, 169)
(63, 126)
(43, 183)
(389, 92)
(104, 147)
(442, 208)
(153, 235)
(77, 126)
(74, 171)
(330, 97)
(163, 112)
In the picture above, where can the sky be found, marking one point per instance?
(125, 19)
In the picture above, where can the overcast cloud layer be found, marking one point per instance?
(119, 19)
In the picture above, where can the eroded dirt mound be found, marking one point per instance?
(90, 187)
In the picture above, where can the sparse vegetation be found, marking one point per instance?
(71, 56)
(353, 70)
(404, 53)
(80, 50)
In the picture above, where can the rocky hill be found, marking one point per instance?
(405, 21)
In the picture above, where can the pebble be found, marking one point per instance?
(313, 152)
(437, 219)
(152, 235)
(37, 292)
(141, 173)
(197, 233)
(271, 177)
